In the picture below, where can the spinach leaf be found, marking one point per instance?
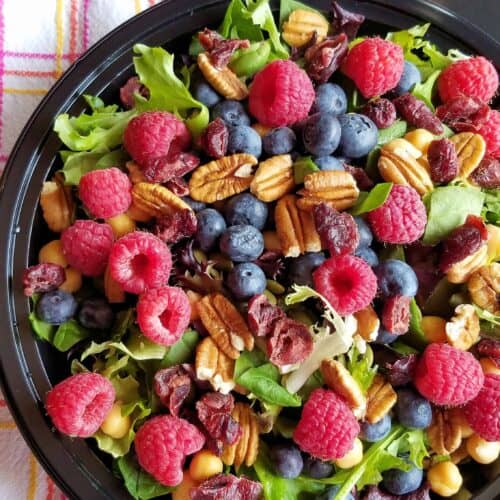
(303, 166)
(396, 130)
(416, 331)
(68, 334)
(375, 198)
(43, 330)
(182, 351)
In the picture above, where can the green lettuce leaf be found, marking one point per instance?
(182, 351)
(412, 442)
(303, 166)
(396, 130)
(43, 330)
(417, 334)
(361, 367)
(68, 334)
(491, 208)
(425, 91)
(155, 68)
(374, 199)
(123, 321)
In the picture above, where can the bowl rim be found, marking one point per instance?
(56, 453)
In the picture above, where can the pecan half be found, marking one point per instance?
(381, 397)
(156, 200)
(471, 149)
(222, 178)
(444, 434)
(462, 331)
(300, 26)
(484, 287)
(58, 207)
(273, 179)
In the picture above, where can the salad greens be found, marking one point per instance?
(361, 367)
(68, 334)
(372, 200)
(303, 166)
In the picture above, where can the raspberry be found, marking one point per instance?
(401, 218)
(154, 134)
(281, 94)
(327, 427)
(482, 412)
(79, 404)
(105, 193)
(162, 444)
(163, 314)
(139, 261)
(474, 77)
(86, 245)
(347, 282)
(447, 376)
(489, 128)
(43, 277)
(375, 66)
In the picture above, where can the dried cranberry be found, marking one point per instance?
(338, 231)
(396, 314)
(362, 179)
(271, 263)
(169, 167)
(461, 112)
(175, 226)
(262, 315)
(345, 21)
(42, 278)
(132, 87)
(373, 492)
(487, 174)
(298, 52)
(220, 50)
(462, 242)
(416, 113)
(214, 138)
(324, 58)
(381, 112)
(178, 186)
(443, 161)
(290, 342)
(227, 486)
(490, 348)
(401, 371)
(173, 386)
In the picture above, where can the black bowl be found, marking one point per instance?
(29, 368)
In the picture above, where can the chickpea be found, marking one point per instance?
(489, 366)
(420, 138)
(352, 457)
(444, 478)
(52, 253)
(115, 424)
(73, 281)
(482, 451)
(182, 491)
(434, 328)
(121, 225)
(271, 241)
(204, 465)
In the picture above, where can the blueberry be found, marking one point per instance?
(287, 460)
(396, 277)
(328, 163)
(96, 314)
(56, 307)
(246, 280)
(359, 135)
(365, 233)
(321, 134)
(375, 432)
(232, 112)
(244, 139)
(410, 77)
(195, 205)
(204, 93)
(385, 337)
(301, 268)
(246, 209)
(331, 493)
(367, 254)
(330, 98)
(400, 482)
(242, 243)
(279, 141)
(317, 469)
(211, 225)
(413, 410)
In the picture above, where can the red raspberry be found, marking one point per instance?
(327, 427)
(281, 94)
(482, 412)
(402, 217)
(163, 314)
(347, 282)
(105, 193)
(474, 77)
(86, 245)
(162, 444)
(447, 376)
(139, 261)
(79, 404)
(154, 134)
(489, 128)
(375, 66)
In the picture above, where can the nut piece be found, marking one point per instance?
(339, 380)
(461, 271)
(301, 25)
(334, 187)
(381, 397)
(213, 365)
(444, 434)
(135, 173)
(460, 453)
(368, 323)
(246, 449)
(156, 200)
(222, 178)
(224, 81)
(225, 325)
(470, 151)
(295, 228)
(462, 331)
(273, 179)
(57, 205)
(401, 162)
(484, 287)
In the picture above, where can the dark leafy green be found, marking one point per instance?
(68, 334)
(397, 129)
(43, 330)
(303, 166)
(375, 198)
(182, 351)
(491, 208)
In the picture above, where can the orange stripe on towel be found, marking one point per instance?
(32, 479)
(59, 36)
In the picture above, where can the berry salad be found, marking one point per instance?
(273, 265)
